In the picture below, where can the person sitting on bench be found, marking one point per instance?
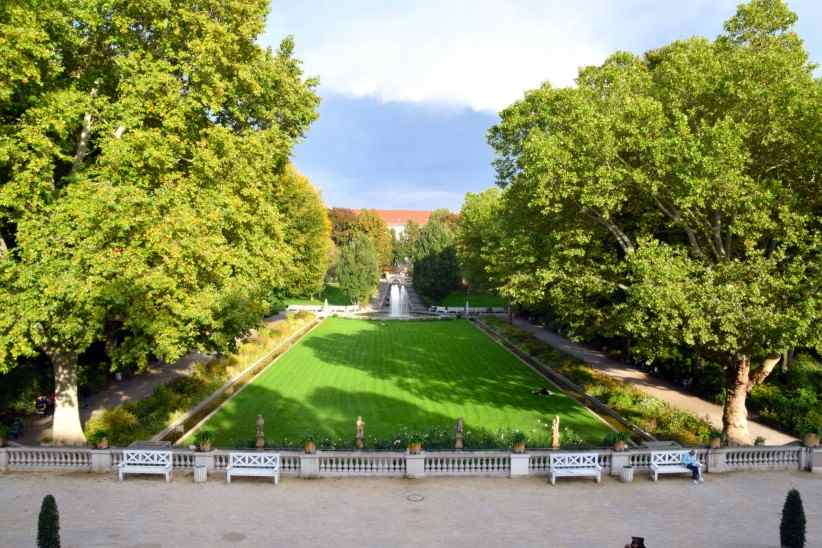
(692, 463)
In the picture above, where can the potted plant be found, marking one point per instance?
(4, 434)
(518, 441)
(415, 443)
(759, 440)
(309, 444)
(203, 439)
(99, 439)
(618, 440)
(811, 437)
(716, 439)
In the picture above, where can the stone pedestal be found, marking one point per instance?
(204, 459)
(716, 461)
(309, 466)
(4, 459)
(200, 473)
(816, 461)
(415, 466)
(618, 461)
(101, 460)
(519, 465)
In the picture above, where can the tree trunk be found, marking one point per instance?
(65, 427)
(734, 413)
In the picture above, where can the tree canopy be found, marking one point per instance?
(675, 198)
(358, 269)
(436, 270)
(373, 226)
(141, 146)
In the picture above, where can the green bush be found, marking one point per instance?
(792, 527)
(48, 524)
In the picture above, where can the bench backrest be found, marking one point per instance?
(254, 460)
(574, 460)
(669, 458)
(133, 457)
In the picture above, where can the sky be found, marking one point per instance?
(409, 89)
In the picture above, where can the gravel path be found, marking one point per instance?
(649, 384)
(738, 510)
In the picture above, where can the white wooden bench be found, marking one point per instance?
(574, 464)
(141, 461)
(253, 464)
(670, 462)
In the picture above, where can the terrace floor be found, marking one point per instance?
(737, 510)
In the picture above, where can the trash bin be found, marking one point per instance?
(627, 474)
(200, 473)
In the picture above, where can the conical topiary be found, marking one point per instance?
(792, 528)
(48, 524)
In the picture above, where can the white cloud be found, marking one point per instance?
(482, 53)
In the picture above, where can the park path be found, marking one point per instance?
(649, 384)
(37, 429)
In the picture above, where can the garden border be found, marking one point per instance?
(562, 381)
(208, 405)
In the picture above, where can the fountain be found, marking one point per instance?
(399, 301)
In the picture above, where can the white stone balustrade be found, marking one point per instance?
(395, 464)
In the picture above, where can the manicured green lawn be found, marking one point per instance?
(414, 374)
(332, 292)
(457, 298)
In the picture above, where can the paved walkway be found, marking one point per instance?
(738, 510)
(649, 384)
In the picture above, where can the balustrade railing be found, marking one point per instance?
(361, 464)
(48, 458)
(467, 464)
(395, 464)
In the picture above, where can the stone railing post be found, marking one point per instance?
(519, 465)
(101, 461)
(816, 461)
(716, 461)
(4, 459)
(415, 466)
(619, 460)
(309, 465)
(205, 459)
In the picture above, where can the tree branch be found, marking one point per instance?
(82, 140)
(677, 218)
(3, 247)
(622, 239)
(759, 376)
(717, 231)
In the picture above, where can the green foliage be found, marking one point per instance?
(477, 233)
(612, 437)
(343, 225)
(436, 269)
(139, 176)
(142, 419)
(358, 269)
(518, 436)
(672, 198)
(650, 414)
(48, 524)
(792, 526)
(307, 231)
(373, 226)
(457, 299)
(407, 243)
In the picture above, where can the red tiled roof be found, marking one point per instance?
(401, 216)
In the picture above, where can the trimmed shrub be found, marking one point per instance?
(48, 524)
(792, 528)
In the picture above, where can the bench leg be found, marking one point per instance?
(599, 478)
(277, 478)
(228, 477)
(168, 477)
(553, 479)
(120, 475)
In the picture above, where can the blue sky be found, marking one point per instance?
(410, 88)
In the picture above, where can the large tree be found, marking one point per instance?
(477, 235)
(307, 231)
(436, 270)
(373, 226)
(358, 269)
(140, 147)
(675, 198)
(343, 224)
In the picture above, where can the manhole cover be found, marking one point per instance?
(413, 497)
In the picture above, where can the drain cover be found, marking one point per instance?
(413, 497)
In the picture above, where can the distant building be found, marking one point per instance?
(396, 219)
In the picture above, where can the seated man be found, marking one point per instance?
(692, 463)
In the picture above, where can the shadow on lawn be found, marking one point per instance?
(458, 364)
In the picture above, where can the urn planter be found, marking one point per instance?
(518, 448)
(415, 448)
(310, 447)
(811, 439)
